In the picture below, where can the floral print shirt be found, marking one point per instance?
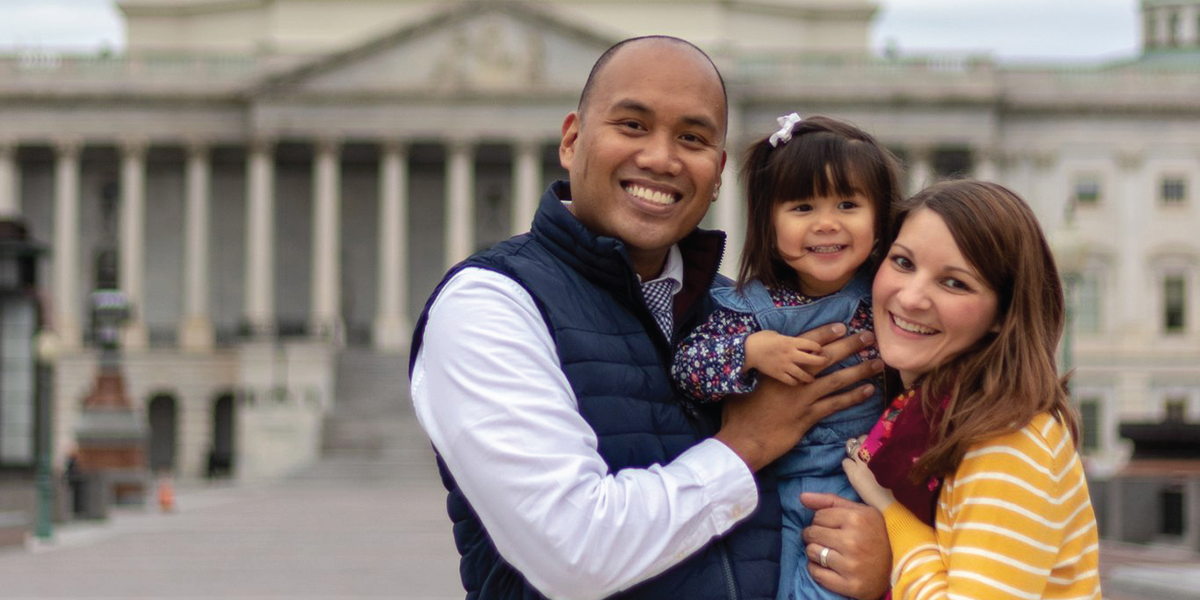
(708, 364)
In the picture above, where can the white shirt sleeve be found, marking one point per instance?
(490, 393)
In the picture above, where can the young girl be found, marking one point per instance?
(969, 311)
(819, 193)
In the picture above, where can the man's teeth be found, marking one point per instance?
(650, 195)
(825, 249)
(912, 327)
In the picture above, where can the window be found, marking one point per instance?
(1175, 410)
(1173, 24)
(1174, 300)
(950, 163)
(1151, 30)
(1087, 189)
(1089, 413)
(1170, 500)
(1173, 191)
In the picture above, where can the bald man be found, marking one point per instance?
(540, 370)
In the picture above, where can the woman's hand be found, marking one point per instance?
(863, 480)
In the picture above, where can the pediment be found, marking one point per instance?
(473, 48)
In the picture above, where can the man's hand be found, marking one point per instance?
(764, 424)
(783, 357)
(859, 558)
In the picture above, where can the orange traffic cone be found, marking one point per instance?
(166, 494)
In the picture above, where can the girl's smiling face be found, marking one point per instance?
(825, 239)
(929, 302)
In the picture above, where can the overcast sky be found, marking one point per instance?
(1072, 30)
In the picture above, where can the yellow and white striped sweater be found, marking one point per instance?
(1014, 521)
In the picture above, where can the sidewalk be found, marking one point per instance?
(1134, 572)
(348, 528)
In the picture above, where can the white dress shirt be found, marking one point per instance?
(491, 395)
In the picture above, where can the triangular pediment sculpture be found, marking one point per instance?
(469, 48)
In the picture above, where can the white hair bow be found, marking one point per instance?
(786, 123)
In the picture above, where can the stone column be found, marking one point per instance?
(1162, 28)
(1135, 196)
(1190, 34)
(196, 330)
(260, 238)
(325, 320)
(985, 167)
(727, 214)
(391, 320)
(65, 255)
(1045, 196)
(527, 183)
(460, 200)
(920, 168)
(132, 249)
(10, 180)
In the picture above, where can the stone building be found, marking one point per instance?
(285, 179)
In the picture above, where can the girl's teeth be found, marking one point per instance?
(824, 249)
(650, 195)
(912, 327)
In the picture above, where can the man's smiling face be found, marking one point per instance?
(645, 156)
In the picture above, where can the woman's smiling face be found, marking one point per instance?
(930, 304)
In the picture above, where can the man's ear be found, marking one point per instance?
(570, 135)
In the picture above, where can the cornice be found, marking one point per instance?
(840, 11)
(185, 8)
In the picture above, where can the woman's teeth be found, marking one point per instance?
(912, 327)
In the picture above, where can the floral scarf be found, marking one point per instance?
(896, 441)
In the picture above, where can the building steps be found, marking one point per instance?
(372, 416)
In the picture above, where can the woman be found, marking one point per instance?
(982, 489)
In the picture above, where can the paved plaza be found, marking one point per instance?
(345, 528)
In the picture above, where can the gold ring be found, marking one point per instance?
(823, 557)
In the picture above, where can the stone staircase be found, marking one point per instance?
(372, 418)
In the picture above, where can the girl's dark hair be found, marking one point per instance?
(1009, 376)
(825, 157)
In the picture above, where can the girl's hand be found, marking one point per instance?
(863, 480)
(789, 359)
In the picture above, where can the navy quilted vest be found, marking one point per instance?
(592, 303)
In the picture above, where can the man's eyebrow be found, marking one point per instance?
(636, 106)
(632, 105)
(700, 121)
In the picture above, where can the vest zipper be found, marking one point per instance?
(730, 585)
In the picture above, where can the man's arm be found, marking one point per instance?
(490, 393)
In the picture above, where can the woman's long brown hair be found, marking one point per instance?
(1009, 376)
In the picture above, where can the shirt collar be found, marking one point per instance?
(672, 270)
